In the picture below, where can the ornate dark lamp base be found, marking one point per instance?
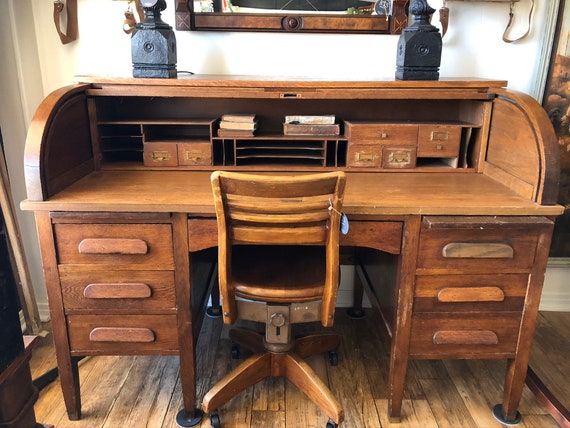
(419, 46)
(153, 44)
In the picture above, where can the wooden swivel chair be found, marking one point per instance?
(278, 255)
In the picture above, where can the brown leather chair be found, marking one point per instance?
(278, 256)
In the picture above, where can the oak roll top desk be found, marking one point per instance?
(451, 190)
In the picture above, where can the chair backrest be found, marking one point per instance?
(278, 210)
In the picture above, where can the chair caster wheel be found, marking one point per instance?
(235, 351)
(215, 421)
(333, 359)
(331, 424)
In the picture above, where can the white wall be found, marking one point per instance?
(472, 48)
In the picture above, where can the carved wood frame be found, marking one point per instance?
(187, 20)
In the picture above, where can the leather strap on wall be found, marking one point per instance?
(71, 11)
(511, 15)
(130, 21)
(444, 19)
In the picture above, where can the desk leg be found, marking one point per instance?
(517, 368)
(404, 293)
(69, 379)
(66, 364)
(358, 295)
(215, 311)
(189, 416)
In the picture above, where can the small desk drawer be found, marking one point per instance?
(385, 133)
(364, 155)
(123, 335)
(470, 293)
(439, 141)
(481, 246)
(115, 244)
(195, 153)
(160, 154)
(124, 291)
(436, 336)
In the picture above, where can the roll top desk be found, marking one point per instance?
(451, 190)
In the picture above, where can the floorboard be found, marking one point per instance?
(145, 391)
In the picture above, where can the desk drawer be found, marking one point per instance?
(385, 133)
(125, 291)
(364, 155)
(482, 245)
(470, 293)
(435, 336)
(195, 153)
(381, 235)
(439, 141)
(123, 335)
(115, 244)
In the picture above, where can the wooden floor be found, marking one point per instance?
(145, 391)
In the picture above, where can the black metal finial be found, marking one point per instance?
(419, 46)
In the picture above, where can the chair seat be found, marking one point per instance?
(259, 273)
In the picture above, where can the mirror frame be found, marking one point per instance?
(188, 20)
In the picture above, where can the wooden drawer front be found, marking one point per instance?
(126, 291)
(464, 335)
(470, 293)
(384, 133)
(364, 155)
(381, 235)
(398, 157)
(439, 141)
(115, 244)
(160, 154)
(472, 250)
(202, 233)
(194, 153)
(123, 334)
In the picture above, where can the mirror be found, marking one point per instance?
(316, 16)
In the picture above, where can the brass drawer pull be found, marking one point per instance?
(439, 136)
(121, 334)
(113, 246)
(471, 294)
(478, 250)
(364, 156)
(117, 290)
(160, 155)
(465, 337)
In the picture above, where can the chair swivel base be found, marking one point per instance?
(290, 365)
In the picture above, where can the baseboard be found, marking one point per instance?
(43, 309)
(556, 292)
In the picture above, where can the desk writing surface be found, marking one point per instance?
(367, 194)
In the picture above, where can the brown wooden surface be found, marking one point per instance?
(367, 194)
(483, 197)
(145, 390)
(299, 214)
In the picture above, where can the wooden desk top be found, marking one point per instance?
(367, 194)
